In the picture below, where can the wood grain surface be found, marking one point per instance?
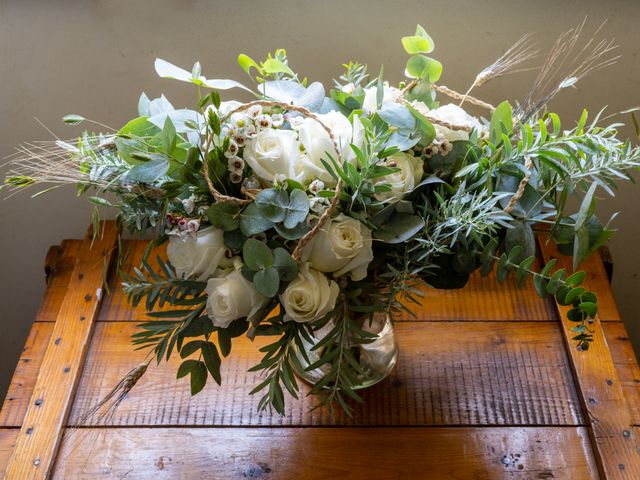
(600, 389)
(486, 387)
(58, 280)
(46, 415)
(481, 299)
(481, 373)
(320, 453)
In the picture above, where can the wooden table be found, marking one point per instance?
(487, 386)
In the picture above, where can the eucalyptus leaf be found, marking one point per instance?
(295, 233)
(400, 228)
(267, 282)
(224, 215)
(272, 203)
(144, 105)
(580, 246)
(419, 66)
(256, 254)
(253, 222)
(398, 116)
(402, 142)
(521, 235)
(297, 209)
(149, 171)
(234, 239)
(160, 105)
(415, 44)
(289, 91)
(285, 264)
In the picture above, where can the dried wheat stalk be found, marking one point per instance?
(564, 66)
(509, 62)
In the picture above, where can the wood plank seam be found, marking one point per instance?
(613, 438)
(36, 447)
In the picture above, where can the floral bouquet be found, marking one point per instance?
(311, 216)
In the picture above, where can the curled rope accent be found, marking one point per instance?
(528, 164)
(459, 96)
(252, 193)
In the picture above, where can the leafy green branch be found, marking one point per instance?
(158, 288)
(566, 289)
(337, 354)
(171, 327)
(278, 360)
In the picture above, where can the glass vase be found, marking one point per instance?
(377, 358)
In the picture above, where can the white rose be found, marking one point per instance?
(272, 152)
(197, 256)
(343, 245)
(318, 146)
(231, 297)
(370, 102)
(454, 114)
(404, 180)
(310, 296)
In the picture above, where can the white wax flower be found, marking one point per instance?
(231, 297)
(197, 256)
(404, 180)
(342, 246)
(310, 296)
(272, 152)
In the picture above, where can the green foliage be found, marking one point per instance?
(274, 67)
(420, 66)
(252, 222)
(421, 42)
(198, 371)
(152, 168)
(400, 228)
(276, 364)
(279, 206)
(266, 268)
(501, 123)
(224, 215)
(449, 224)
(567, 290)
